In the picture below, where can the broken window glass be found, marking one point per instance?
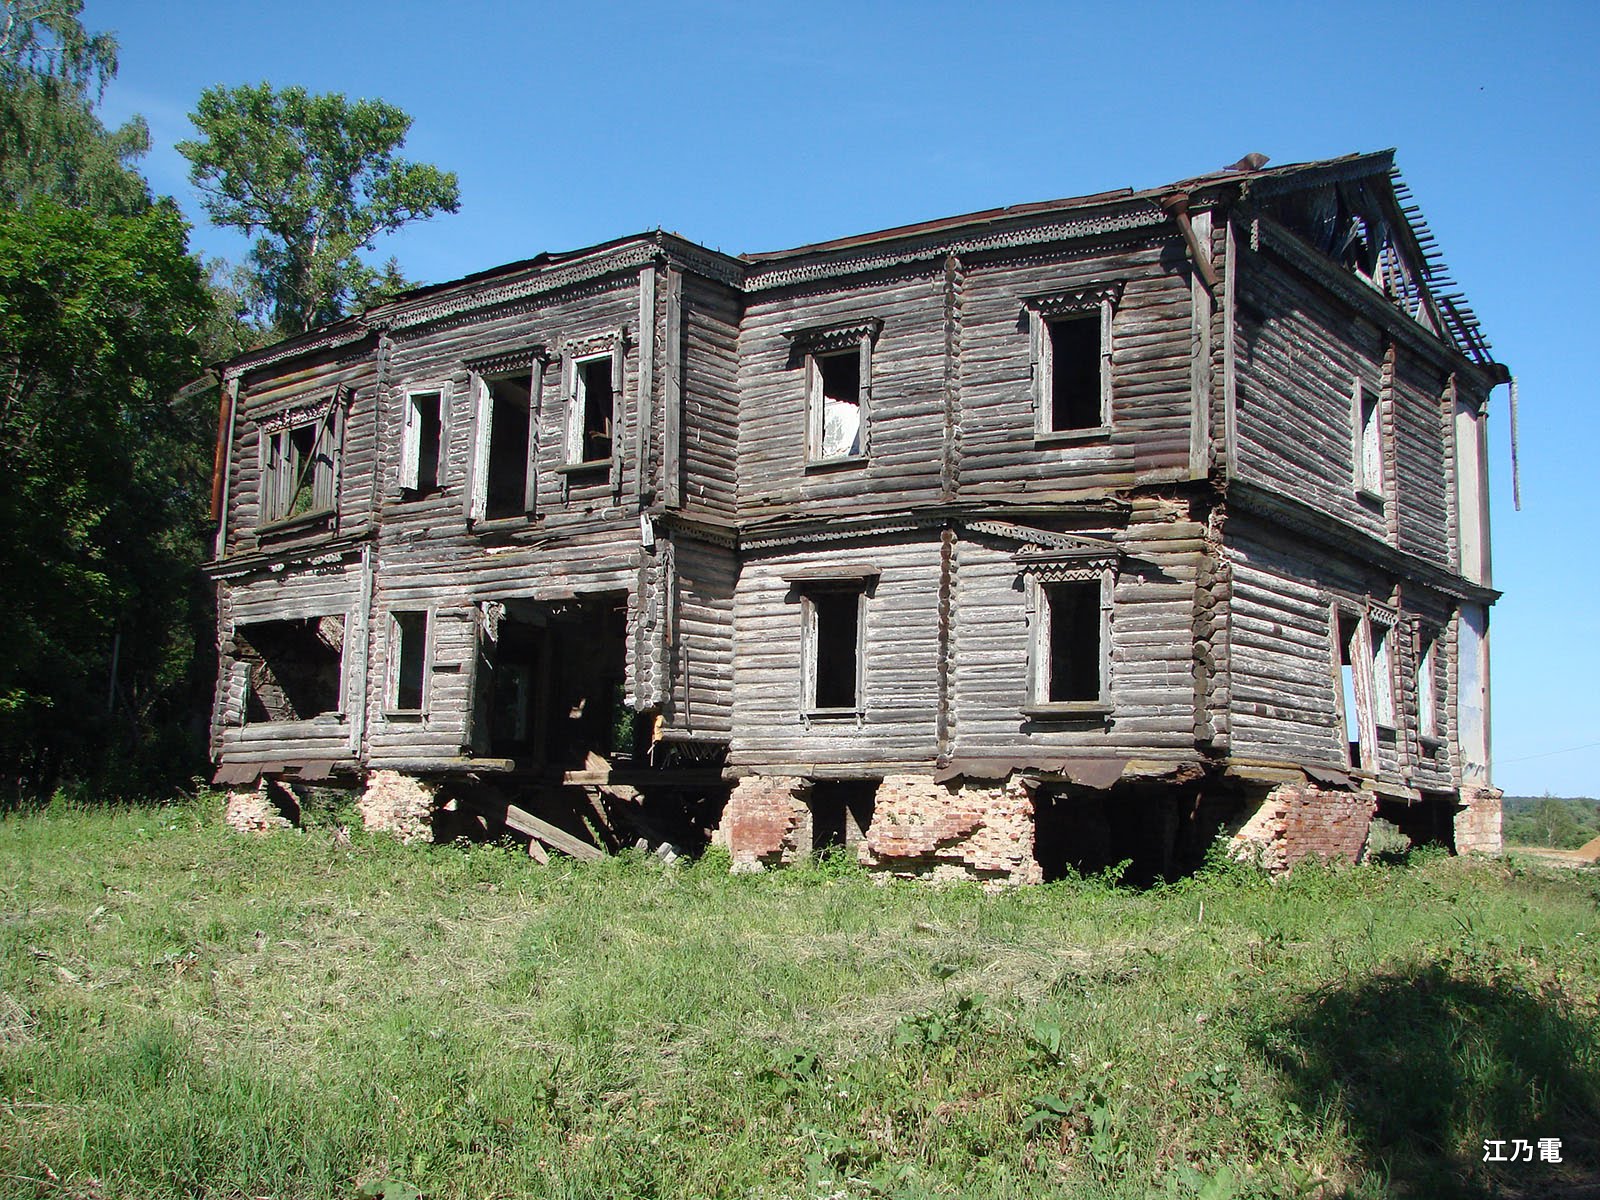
(596, 410)
(839, 378)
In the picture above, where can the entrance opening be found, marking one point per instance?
(1085, 831)
(841, 812)
(552, 685)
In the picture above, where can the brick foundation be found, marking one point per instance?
(1299, 820)
(766, 821)
(949, 831)
(1478, 823)
(398, 804)
(264, 808)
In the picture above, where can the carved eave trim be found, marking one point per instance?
(703, 262)
(625, 258)
(1075, 300)
(1041, 541)
(824, 338)
(717, 533)
(333, 339)
(834, 533)
(1145, 215)
(1382, 614)
(511, 360)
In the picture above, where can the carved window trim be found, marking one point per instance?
(284, 469)
(1046, 574)
(1055, 308)
(815, 347)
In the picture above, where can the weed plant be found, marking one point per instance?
(187, 1012)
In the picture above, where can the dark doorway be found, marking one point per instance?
(841, 812)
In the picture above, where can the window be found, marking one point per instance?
(298, 465)
(1351, 708)
(1368, 442)
(834, 391)
(833, 657)
(1382, 677)
(408, 662)
(838, 382)
(294, 669)
(1070, 334)
(422, 442)
(508, 475)
(1428, 690)
(590, 435)
(1070, 642)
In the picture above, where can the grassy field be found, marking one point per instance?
(187, 1012)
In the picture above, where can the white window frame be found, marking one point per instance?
(486, 373)
(1043, 312)
(1041, 577)
(393, 648)
(411, 436)
(577, 402)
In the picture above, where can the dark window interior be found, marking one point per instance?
(599, 401)
(1075, 373)
(295, 667)
(1074, 614)
(556, 685)
(841, 377)
(411, 629)
(838, 617)
(428, 437)
(508, 447)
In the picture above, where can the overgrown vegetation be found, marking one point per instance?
(185, 1012)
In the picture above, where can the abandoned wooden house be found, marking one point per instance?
(1034, 539)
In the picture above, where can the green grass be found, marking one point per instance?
(187, 1012)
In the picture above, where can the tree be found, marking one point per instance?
(52, 73)
(104, 490)
(315, 179)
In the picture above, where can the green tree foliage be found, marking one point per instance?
(106, 454)
(104, 489)
(315, 180)
(51, 143)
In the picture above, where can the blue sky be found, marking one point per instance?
(748, 126)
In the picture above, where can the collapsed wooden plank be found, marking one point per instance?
(550, 835)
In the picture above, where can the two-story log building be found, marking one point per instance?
(1041, 537)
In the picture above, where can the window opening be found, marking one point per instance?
(409, 648)
(1382, 676)
(1369, 448)
(419, 468)
(294, 668)
(596, 409)
(1075, 400)
(1348, 695)
(298, 470)
(1072, 637)
(836, 649)
(1427, 687)
(839, 382)
(507, 491)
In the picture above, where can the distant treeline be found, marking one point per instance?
(1563, 822)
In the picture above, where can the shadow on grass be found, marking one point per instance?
(1422, 1064)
